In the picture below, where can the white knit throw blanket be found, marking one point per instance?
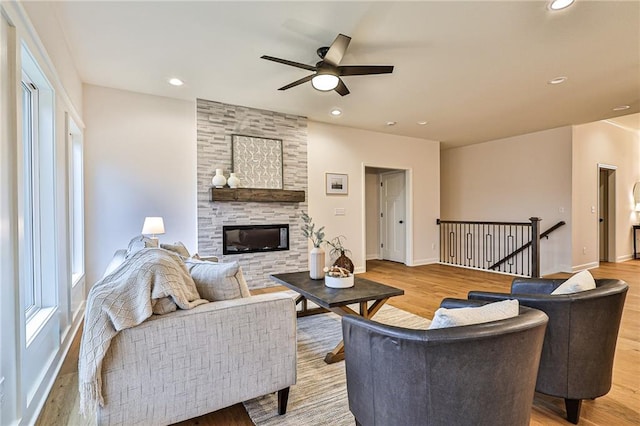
(124, 299)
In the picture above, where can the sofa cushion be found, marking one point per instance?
(581, 281)
(176, 247)
(456, 317)
(218, 281)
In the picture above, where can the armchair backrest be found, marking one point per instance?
(477, 374)
(579, 347)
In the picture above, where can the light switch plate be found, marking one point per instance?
(340, 211)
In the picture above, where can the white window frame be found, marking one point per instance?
(37, 237)
(32, 278)
(76, 200)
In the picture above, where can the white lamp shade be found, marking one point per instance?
(153, 226)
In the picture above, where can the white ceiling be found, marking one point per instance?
(476, 70)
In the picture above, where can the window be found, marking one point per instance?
(76, 201)
(38, 255)
(31, 279)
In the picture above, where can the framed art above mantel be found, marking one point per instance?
(257, 161)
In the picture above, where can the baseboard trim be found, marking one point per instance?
(590, 265)
(421, 262)
(55, 371)
(624, 258)
(374, 256)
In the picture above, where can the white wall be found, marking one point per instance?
(140, 160)
(335, 149)
(514, 179)
(603, 143)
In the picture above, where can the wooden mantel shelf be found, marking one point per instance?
(262, 195)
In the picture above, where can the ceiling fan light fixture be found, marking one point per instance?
(325, 82)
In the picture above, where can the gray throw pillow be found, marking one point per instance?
(217, 281)
(176, 247)
(138, 243)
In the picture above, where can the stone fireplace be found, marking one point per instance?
(216, 123)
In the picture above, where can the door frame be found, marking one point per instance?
(611, 211)
(408, 176)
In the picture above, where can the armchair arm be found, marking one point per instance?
(488, 296)
(451, 303)
(535, 285)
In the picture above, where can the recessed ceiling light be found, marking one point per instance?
(621, 107)
(390, 123)
(422, 123)
(557, 80)
(336, 112)
(560, 4)
(176, 82)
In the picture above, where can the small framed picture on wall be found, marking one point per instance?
(337, 183)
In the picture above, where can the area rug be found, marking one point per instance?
(320, 394)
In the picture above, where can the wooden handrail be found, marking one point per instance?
(545, 234)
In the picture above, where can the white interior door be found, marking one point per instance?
(393, 216)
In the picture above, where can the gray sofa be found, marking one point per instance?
(482, 374)
(580, 343)
(189, 363)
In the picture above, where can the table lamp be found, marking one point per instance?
(153, 226)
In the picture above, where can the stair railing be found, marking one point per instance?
(507, 247)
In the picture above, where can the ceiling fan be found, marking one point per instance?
(327, 71)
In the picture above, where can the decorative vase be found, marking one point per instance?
(316, 263)
(233, 181)
(219, 180)
(344, 262)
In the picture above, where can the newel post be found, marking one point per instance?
(535, 247)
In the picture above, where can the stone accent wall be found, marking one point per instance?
(216, 122)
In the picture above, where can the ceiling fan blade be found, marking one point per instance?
(336, 50)
(297, 82)
(342, 88)
(291, 63)
(365, 69)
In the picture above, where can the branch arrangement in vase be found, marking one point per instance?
(308, 229)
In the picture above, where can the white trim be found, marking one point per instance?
(373, 256)
(16, 12)
(607, 166)
(428, 261)
(624, 258)
(481, 270)
(53, 375)
(590, 265)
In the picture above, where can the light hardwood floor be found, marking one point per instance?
(425, 287)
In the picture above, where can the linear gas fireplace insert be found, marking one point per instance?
(239, 239)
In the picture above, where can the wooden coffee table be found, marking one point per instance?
(336, 299)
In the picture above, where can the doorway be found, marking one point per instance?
(606, 212)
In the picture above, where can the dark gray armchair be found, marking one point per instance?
(481, 374)
(580, 343)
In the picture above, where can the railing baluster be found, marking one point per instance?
(508, 247)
